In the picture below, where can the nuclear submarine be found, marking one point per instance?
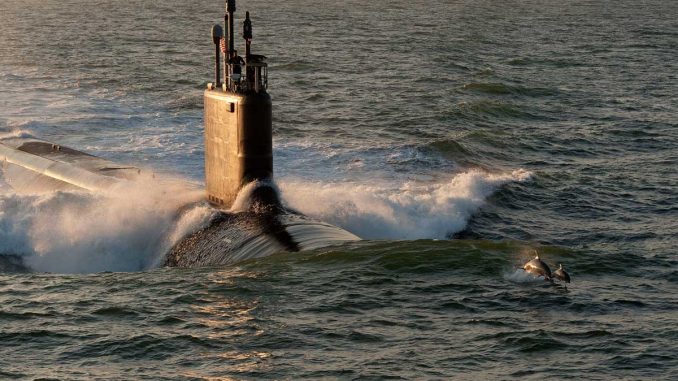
(250, 221)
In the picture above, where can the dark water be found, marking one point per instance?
(512, 126)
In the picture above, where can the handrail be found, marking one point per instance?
(254, 79)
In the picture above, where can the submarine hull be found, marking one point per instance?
(235, 237)
(34, 165)
(262, 227)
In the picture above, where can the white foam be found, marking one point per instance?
(193, 219)
(522, 276)
(15, 133)
(243, 200)
(408, 211)
(70, 232)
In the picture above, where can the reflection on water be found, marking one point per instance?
(227, 317)
(192, 374)
(227, 320)
(230, 276)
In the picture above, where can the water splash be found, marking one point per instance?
(8, 133)
(522, 276)
(76, 232)
(409, 211)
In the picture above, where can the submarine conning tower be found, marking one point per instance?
(238, 117)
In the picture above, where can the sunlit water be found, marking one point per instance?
(507, 126)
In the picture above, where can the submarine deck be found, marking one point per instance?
(36, 165)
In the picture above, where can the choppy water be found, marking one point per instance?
(510, 126)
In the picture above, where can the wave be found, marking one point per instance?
(14, 133)
(409, 211)
(127, 229)
(503, 89)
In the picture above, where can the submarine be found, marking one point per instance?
(250, 220)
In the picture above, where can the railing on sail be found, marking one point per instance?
(255, 79)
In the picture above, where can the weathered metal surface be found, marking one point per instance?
(238, 143)
(36, 165)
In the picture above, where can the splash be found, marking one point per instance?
(409, 211)
(14, 133)
(522, 276)
(125, 229)
(243, 200)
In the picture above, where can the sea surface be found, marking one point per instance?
(457, 138)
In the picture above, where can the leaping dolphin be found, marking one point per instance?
(561, 274)
(537, 267)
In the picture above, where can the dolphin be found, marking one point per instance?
(561, 274)
(537, 267)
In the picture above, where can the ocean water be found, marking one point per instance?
(456, 137)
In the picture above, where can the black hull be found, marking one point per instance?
(235, 237)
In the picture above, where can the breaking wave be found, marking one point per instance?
(76, 232)
(410, 211)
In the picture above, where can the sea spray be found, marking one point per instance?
(244, 200)
(193, 218)
(522, 276)
(408, 211)
(124, 229)
(14, 132)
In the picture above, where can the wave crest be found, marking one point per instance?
(78, 232)
(410, 211)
